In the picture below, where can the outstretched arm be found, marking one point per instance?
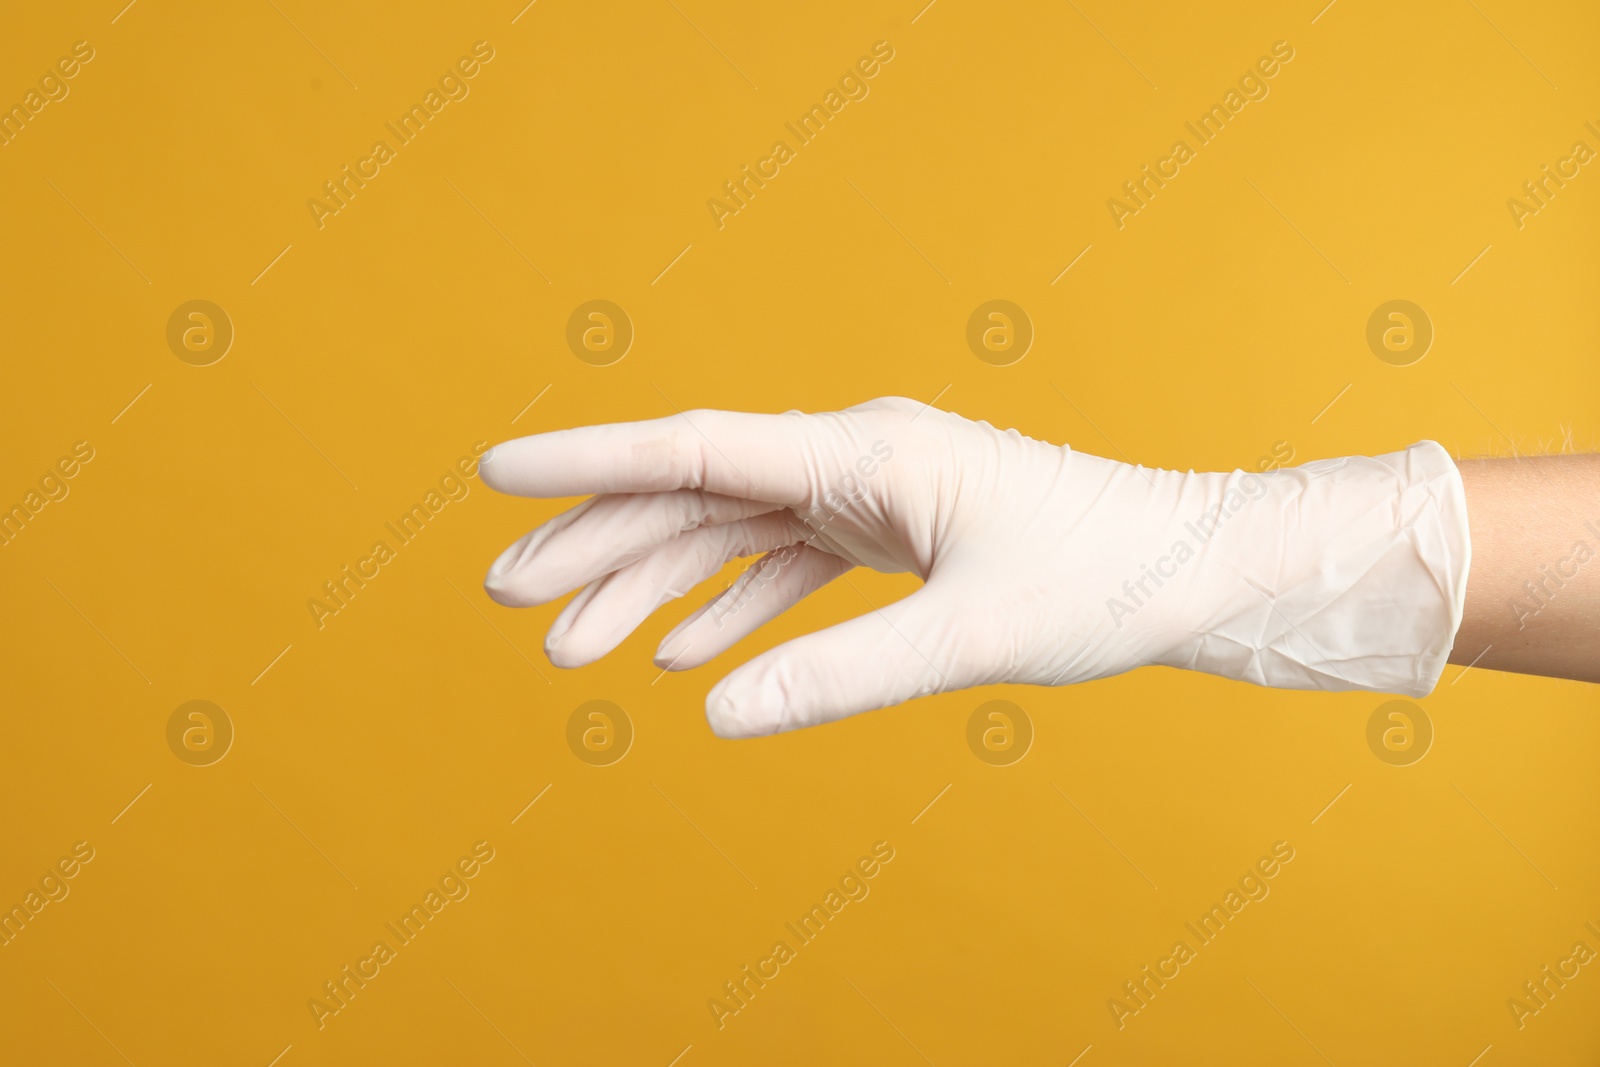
(1043, 565)
(1533, 591)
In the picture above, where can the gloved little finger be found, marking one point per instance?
(609, 609)
(599, 536)
(772, 585)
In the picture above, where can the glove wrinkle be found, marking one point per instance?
(1041, 564)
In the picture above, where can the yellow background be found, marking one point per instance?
(423, 718)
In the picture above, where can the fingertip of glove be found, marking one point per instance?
(494, 587)
(516, 581)
(568, 655)
(500, 588)
(488, 470)
(673, 655)
(735, 716)
(497, 582)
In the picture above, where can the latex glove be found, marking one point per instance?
(1041, 565)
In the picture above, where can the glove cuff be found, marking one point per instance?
(1340, 574)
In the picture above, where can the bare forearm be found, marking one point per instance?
(1533, 589)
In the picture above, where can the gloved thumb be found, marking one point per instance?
(913, 647)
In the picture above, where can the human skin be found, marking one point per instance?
(1533, 588)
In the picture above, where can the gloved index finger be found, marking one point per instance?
(759, 457)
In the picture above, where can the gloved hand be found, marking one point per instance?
(1040, 564)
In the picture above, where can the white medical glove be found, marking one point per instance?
(1040, 564)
